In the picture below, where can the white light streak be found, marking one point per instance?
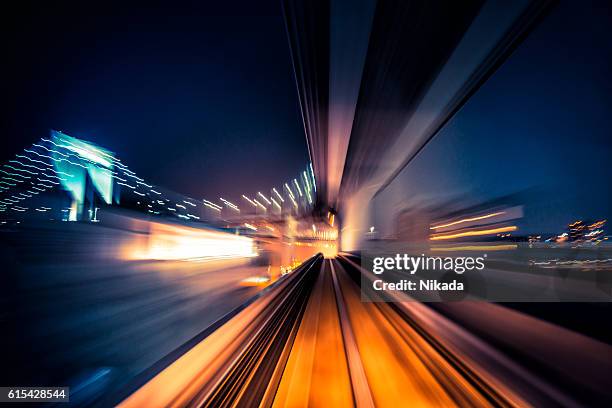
(229, 204)
(290, 192)
(298, 187)
(278, 195)
(264, 198)
(261, 205)
(249, 200)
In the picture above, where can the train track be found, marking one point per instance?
(312, 340)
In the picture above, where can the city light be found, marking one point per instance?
(482, 217)
(473, 233)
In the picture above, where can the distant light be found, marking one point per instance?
(229, 204)
(290, 192)
(211, 205)
(168, 242)
(275, 203)
(261, 205)
(279, 196)
(473, 233)
(264, 197)
(371, 229)
(482, 217)
(249, 200)
(314, 181)
(298, 187)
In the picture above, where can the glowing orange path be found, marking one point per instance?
(344, 353)
(316, 373)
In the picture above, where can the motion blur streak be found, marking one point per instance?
(170, 242)
(317, 372)
(482, 217)
(308, 363)
(474, 233)
(198, 376)
(397, 360)
(506, 247)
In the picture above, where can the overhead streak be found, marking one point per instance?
(378, 79)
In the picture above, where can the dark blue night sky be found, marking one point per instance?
(541, 124)
(192, 98)
(199, 99)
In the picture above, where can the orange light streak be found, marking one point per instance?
(482, 217)
(474, 233)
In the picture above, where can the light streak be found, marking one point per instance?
(290, 192)
(229, 204)
(264, 197)
(298, 187)
(293, 201)
(249, 226)
(144, 184)
(127, 185)
(15, 174)
(138, 193)
(212, 205)
(275, 203)
(473, 233)
(50, 150)
(25, 165)
(482, 217)
(10, 178)
(53, 176)
(278, 195)
(504, 247)
(168, 242)
(261, 205)
(306, 180)
(17, 169)
(314, 181)
(249, 200)
(34, 160)
(47, 181)
(134, 177)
